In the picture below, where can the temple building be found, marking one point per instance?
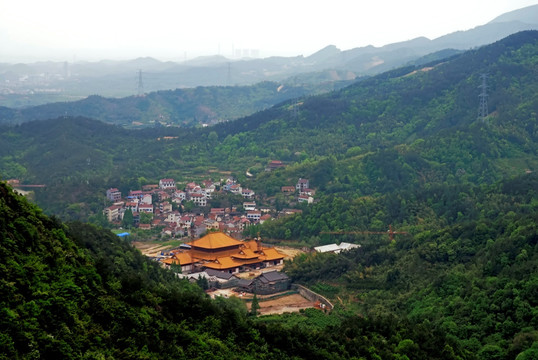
(219, 251)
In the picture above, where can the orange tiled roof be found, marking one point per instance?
(169, 261)
(251, 244)
(182, 258)
(270, 254)
(223, 263)
(215, 240)
(245, 253)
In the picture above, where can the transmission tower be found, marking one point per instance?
(483, 98)
(140, 84)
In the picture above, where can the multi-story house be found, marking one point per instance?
(167, 184)
(198, 199)
(113, 194)
(302, 184)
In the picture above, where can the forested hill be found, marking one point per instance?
(180, 107)
(403, 128)
(76, 292)
(405, 148)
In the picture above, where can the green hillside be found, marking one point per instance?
(403, 128)
(72, 291)
(180, 107)
(405, 148)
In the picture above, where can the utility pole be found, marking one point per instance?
(140, 84)
(483, 99)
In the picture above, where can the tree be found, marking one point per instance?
(188, 206)
(128, 219)
(255, 306)
(176, 267)
(203, 282)
(145, 218)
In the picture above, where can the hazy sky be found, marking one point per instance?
(175, 29)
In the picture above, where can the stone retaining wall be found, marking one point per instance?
(312, 296)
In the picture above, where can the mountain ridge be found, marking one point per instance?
(83, 79)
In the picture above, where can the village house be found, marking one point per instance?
(235, 189)
(135, 194)
(147, 208)
(264, 218)
(305, 198)
(167, 184)
(207, 184)
(247, 193)
(165, 207)
(132, 205)
(190, 187)
(113, 213)
(254, 216)
(150, 187)
(270, 283)
(290, 211)
(274, 164)
(218, 211)
(113, 194)
(309, 192)
(146, 199)
(198, 199)
(302, 184)
(172, 217)
(179, 195)
(211, 224)
(249, 206)
(287, 189)
(163, 195)
(208, 193)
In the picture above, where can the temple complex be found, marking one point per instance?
(219, 251)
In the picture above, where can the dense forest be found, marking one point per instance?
(74, 291)
(404, 148)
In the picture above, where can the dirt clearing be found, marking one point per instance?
(289, 303)
(150, 249)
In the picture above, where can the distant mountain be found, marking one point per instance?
(32, 84)
(181, 107)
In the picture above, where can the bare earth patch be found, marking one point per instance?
(289, 303)
(150, 249)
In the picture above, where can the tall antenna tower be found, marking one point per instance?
(483, 98)
(140, 84)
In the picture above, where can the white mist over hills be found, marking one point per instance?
(62, 30)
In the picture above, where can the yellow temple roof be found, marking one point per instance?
(215, 240)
